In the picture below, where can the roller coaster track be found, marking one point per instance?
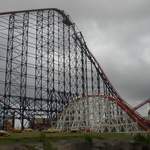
(145, 124)
(112, 93)
(142, 122)
(142, 104)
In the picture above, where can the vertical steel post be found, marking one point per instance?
(9, 57)
(76, 68)
(64, 58)
(38, 59)
(82, 74)
(69, 57)
(92, 86)
(24, 54)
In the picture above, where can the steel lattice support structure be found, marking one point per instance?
(95, 113)
(45, 64)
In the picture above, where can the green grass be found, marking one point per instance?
(88, 139)
(47, 139)
(142, 138)
(39, 136)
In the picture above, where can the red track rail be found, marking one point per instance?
(145, 124)
(141, 104)
(142, 122)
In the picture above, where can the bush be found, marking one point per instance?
(47, 145)
(142, 138)
(28, 130)
(17, 131)
(4, 133)
(42, 136)
(88, 139)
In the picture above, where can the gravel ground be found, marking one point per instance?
(99, 145)
(80, 144)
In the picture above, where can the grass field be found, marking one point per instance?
(47, 139)
(36, 136)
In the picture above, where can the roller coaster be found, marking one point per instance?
(47, 71)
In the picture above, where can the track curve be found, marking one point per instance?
(142, 122)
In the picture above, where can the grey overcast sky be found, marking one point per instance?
(116, 31)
